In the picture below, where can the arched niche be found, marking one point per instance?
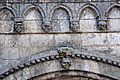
(6, 20)
(87, 19)
(60, 20)
(33, 20)
(114, 18)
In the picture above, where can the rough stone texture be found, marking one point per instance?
(60, 21)
(33, 42)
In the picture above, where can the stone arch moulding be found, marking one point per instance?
(12, 10)
(110, 8)
(63, 7)
(88, 6)
(34, 6)
(77, 65)
(66, 10)
(40, 12)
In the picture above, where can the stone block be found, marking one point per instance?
(60, 25)
(24, 40)
(94, 39)
(62, 38)
(114, 24)
(9, 53)
(10, 77)
(114, 38)
(76, 40)
(115, 50)
(24, 52)
(41, 40)
(92, 66)
(88, 25)
(33, 26)
(2, 41)
(11, 40)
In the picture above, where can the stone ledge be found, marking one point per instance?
(54, 1)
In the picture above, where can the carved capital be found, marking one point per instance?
(74, 25)
(18, 25)
(102, 22)
(46, 25)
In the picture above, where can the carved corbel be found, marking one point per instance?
(47, 25)
(74, 25)
(102, 22)
(18, 25)
(65, 61)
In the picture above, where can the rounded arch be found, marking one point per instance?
(12, 10)
(36, 7)
(67, 74)
(61, 7)
(110, 8)
(88, 6)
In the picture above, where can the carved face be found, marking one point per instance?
(65, 63)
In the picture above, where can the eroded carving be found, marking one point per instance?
(102, 23)
(74, 25)
(65, 61)
(47, 25)
(18, 25)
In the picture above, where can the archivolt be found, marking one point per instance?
(111, 7)
(12, 10)
(36, 7)
(89, 6)
(61, 7)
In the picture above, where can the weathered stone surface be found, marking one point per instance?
(24, 40)
(33, 21)
(11, 40)
(114, 24)
(60, 21)
(94, 39)
(96, 53)
(113, 38)
(9, 53)
(41, 40)
(88, 25)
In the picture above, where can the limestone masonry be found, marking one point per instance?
(59, 39)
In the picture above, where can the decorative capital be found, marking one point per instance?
(64, 52)
(46, 25)
(102, 22)
(74, 25)
(18, 25)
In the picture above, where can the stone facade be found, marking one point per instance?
(59, 40)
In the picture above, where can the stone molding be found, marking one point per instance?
(74, 18)
(58, 57)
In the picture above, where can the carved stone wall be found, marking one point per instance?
(50, 39)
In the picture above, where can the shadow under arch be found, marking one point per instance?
(70, 14)
(12, 10)
(69, 74)
(110, 8)
(41, 11)
(94, 8)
